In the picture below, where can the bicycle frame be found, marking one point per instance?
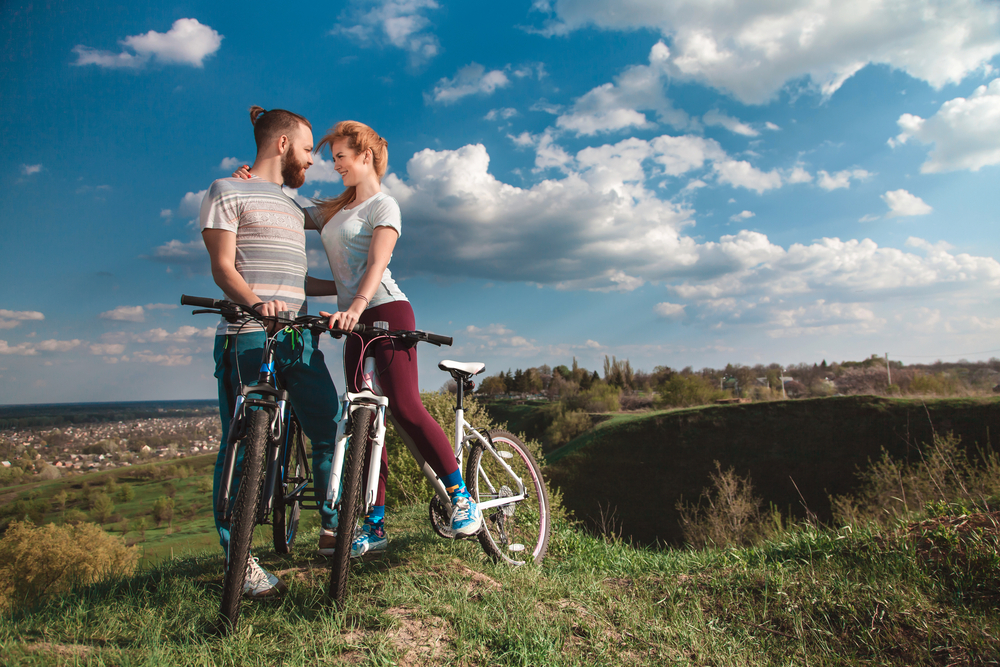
(371, 398)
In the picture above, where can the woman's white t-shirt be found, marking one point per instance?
(347, 236)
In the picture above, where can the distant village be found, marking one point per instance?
(82, 448)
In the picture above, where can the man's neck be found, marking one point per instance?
(269, 169)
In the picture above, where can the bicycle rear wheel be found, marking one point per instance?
(244, 516)
(351, 505)
(516, 532)
(286, 511)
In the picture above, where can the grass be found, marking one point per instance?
(806, 597)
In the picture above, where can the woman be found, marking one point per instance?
(359, 230)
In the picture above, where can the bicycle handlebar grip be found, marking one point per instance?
(198, 301)
(440, 340)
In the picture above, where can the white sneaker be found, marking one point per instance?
(466, 519)
(260, 583)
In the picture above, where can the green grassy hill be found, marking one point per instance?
(191, 530)
(640, 465)
(808, 597)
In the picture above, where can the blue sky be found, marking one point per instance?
(675, 183)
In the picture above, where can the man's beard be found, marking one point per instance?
(293, 172)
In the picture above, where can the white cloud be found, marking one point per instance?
(840, 179)
(229, 164)
(742, 215)
(322, 171)
(822, 318)
(771, 126)
(751, 50)
(21, 314)
(598, 226)
(188, 42)
(399, 23)
(965, 132)
(21, 349)
(192, 253)
(617, 106)
(902, 203)
(166, 213)
(183, 334)
(473, 79)
(148, 357)
(798, 175)
(734, 125)
(742, 174)
(125, 314)
(190, 205)
(107, 349)
(504, 113)
(30, 169)
(669, 310)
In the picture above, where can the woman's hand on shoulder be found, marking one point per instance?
(243, 172)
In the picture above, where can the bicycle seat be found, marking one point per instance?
(462, 368)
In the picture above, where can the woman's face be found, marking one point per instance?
(352, 166)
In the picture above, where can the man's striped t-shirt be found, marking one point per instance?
(270, 240)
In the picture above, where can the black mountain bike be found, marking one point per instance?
(275, 480)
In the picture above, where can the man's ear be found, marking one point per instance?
(283, 143)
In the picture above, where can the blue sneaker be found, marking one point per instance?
(466, 519)
(371, 542)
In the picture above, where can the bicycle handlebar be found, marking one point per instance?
(233, 311)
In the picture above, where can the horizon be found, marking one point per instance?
(673, 185)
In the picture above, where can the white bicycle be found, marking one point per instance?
(501, 474)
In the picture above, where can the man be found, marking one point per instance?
(255, 235)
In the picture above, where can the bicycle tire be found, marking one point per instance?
(516, 533)
(351, 505)
(285, 514)
(241, 525)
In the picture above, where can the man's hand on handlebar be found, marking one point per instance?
(270, 309)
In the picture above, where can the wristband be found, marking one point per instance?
(254, 307)
(362, 296)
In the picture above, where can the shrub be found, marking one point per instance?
(37, 561)
(945, 473)
(728, 514)
(680, 391)
(566, 425)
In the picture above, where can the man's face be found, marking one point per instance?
(298, 157)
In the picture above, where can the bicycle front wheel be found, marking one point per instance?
(244, 517)
(516, 531)
(286, 511)
(351, 505)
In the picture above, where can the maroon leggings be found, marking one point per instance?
(398, 376)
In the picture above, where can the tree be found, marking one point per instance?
(125, 493)
(493, 386)
(60, 500)
(163, 510)
(101, 507)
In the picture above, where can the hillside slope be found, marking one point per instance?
(641, 465)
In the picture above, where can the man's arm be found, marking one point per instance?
(320, 287)
(221, 246)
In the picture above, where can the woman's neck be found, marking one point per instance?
(364, 191)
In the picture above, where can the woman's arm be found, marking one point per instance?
(379, 254)
(320, 287)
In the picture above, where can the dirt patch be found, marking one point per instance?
(60, 650)
(419, 639)
(477, 583)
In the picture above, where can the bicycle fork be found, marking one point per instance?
(352, 402)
